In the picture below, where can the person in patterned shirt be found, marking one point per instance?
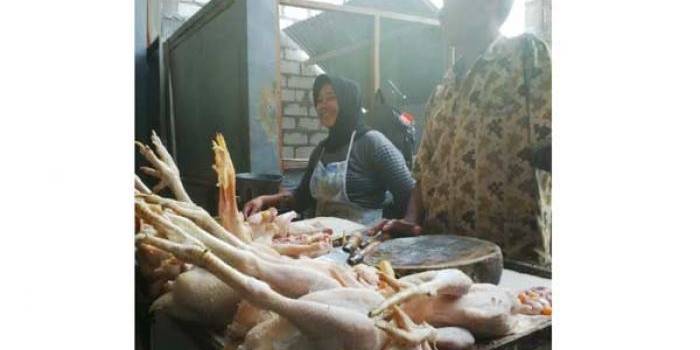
(475, 167)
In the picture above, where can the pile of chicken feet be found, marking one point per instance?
(231, 274)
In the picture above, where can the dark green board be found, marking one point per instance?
(223, 77)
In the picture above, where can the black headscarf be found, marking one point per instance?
(349, 111)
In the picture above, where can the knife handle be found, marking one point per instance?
(359, 256)
(352, 244)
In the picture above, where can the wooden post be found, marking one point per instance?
(376, 41)
(278, 87)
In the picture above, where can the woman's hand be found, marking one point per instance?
(284, 198)
(253, 206)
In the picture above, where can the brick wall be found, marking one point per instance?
(301, 129)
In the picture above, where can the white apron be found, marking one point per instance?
(328, 186)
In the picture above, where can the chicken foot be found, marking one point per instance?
(324, 325)
(290, 280)
(140, 186)
(201, 217)
(343, 275)
(450, 282)
(405, 333)
(163, 168)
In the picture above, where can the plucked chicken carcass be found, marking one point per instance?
(483, 310)
(194, 295)
(269, 227)
(307, 299)
(198, 296)
(291, 277)
(212, 302)
(276, 301)
(185, 293)
(447, 298)
(487, 311)
(158, 267)
(321, 318)
(276, 231)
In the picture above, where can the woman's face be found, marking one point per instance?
(327, 106)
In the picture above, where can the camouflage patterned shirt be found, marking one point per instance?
(474, 160)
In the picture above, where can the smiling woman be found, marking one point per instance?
(327, 105)
(350, 171)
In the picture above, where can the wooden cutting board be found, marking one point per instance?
(481, 260)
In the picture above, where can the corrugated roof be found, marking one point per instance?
(405, 46)
(332, 30)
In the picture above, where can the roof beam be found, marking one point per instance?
(316, 5)
(350, 48)
(335, 53)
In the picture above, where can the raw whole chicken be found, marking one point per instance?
(320, 318)
(198, 296)
(247, 317)
(444, 298)
(487, 311)
(245, 278)
(158, 267)
(276, 231)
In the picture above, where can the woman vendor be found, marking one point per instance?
(350, 171)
